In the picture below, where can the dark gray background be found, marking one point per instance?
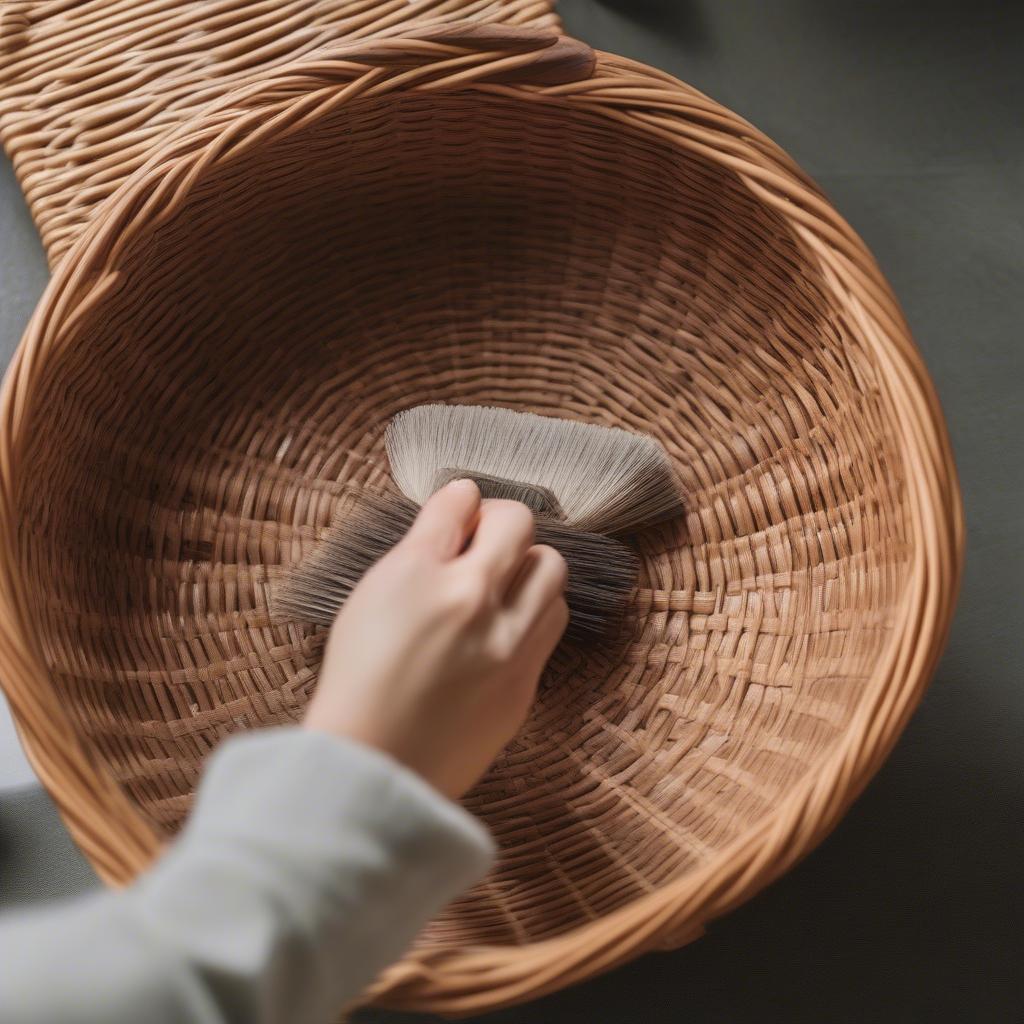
(911, 115)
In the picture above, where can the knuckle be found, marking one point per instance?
(555, 562)
(525, 522)
(468, 594)
(502, 647)
(517, 517)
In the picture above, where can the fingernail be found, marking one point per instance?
(464, 483)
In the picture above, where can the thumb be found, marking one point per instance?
(447, 520)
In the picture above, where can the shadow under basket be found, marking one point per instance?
(215, 363)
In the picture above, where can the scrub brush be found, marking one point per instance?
(580, 480)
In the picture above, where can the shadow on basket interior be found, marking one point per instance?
(478, 249)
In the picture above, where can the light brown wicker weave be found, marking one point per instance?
(396, 221)
(88, 88)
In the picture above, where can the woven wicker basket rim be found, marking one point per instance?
(103, 820)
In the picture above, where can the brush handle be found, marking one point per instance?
(539, 500)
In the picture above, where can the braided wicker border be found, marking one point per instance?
(468, 980)
(89, 90)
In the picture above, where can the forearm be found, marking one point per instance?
(308, 865)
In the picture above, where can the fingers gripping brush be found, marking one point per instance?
(580, 481)
(602, 572)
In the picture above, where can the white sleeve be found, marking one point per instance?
(308, 864)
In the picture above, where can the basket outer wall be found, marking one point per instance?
(475, 979)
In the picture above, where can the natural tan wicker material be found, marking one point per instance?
(89, 88)
(216, 360)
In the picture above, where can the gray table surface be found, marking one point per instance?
(910, 116)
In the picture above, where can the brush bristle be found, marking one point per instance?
(604, 479)
(602, 572)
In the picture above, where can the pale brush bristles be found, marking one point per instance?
(602, 572)
(605, 480)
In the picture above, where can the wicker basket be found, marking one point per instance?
(428, 218)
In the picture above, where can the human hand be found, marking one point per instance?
(436, 656)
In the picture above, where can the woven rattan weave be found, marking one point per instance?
(356, 229)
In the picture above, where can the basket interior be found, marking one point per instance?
(196, 430)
